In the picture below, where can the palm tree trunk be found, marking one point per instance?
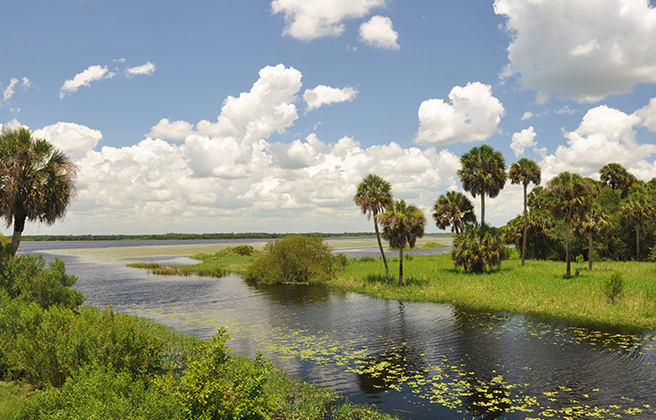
(401, 283)
(19, 225)
(380, 246)
(590, 250)
(482, 209)
(567, 230)
(525, 227)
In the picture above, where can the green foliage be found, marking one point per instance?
(219, 385)
(652, 254)
(295, 259)
(12, 397)
(614, 287)
(453, 209)
(241, 250)
(47, 346)
(542, 238)
(96, 392)
(478, 249)
(27, 279)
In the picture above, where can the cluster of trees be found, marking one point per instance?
(615, 215)
(402, 223)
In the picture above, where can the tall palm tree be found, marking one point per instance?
(402, 225)
(525, 171)
(37, 181)
(638, 209)
(617, 177)
(483, 172)
(594, 224)
(373, 195)
(453, 209)
(569, 197)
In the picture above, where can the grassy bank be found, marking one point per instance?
(538, 289)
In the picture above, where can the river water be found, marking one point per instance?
(419, 361)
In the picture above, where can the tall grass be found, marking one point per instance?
(12, 397)
(538, 288)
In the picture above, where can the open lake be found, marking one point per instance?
(420, 361)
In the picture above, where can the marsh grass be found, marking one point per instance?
(538, 289)
(218, 264)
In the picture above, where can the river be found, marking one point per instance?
(419, 361)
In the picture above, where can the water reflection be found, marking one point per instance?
(421, 361)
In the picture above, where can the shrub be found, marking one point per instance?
(47, 346)
(477, 249)
(219, 385)
(614, 287)
(295, 259)
(27, 279)
(97, 392)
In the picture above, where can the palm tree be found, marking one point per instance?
(638, 209)
(594, 224)
(525, 171)
(37, 181)
(483, 172)
(453, 209)
(618, 177)
(373, 195)
(402, 224)
(569, 197)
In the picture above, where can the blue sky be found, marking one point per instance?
(244, 115)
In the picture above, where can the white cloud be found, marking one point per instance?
(378, 32)
(326, 95)
(310, 19)
(267, 108)
(648, 115)
(9, 91)
(73, 139)
(604, 135)
(176, 130)
(523, 140)
(473, 115)
(527, 115)
(91, 74)
(142, 70)
(580, 50)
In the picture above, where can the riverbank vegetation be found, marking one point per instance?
(60, 359)
(539, 288)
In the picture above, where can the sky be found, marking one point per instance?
(263, 115)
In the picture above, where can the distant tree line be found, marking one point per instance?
(185, 236)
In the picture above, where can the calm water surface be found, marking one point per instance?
(420, 361)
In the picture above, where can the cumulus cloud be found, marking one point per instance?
(604, 135)
(91, 74)
(310, 19)
(378, 32)
(142, 70)
(173, 130)
(580, 50)
(527, 115)
(523, 140)
(267, 108)
(648, 115)
(473, 115)
(74, 140)
(326, 95)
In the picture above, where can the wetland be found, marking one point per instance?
(415, 360)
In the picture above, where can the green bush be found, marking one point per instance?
(295, 259)
(614, 287)
(47, 346)
(97, 392)
(27, 279)
(477, 249)
(219, 385)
